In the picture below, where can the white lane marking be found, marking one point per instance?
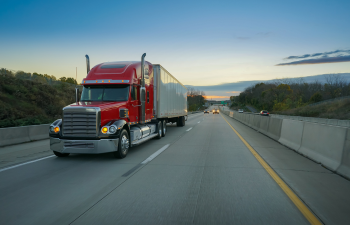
(199, 121)
(155, 154)
(189, 129)
(22, 164)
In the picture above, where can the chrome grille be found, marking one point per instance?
(79, 122)
(78, 145)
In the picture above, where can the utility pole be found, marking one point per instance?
(76, 74)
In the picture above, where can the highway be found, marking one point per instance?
(202, 173)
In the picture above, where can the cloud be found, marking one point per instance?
(323, 54)
(322, 60)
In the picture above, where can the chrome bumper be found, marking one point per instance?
(84, 146)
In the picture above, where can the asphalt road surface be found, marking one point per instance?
(201, 173)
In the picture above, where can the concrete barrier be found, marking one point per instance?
(38, 132)
(17, 135)
(274, 130)
(344, 168)
(324, 144)
(291, 134)
(264, 124)
(256, 122)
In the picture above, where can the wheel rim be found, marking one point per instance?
(164, 128)
(160, 129)
(125, 143)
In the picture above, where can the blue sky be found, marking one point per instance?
(202, 43)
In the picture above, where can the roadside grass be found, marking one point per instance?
(25, 102)
(339, 109)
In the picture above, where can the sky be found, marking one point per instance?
(202, 43)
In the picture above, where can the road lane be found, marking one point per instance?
(56, 190)
(207, 176)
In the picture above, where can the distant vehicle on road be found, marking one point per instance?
(206, 111)
(215, 111)
(240, 111)
(264, 113)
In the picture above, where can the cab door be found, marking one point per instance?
(135, 104)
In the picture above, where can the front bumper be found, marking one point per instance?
(84, 146)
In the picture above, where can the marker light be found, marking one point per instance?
(104, 130)
(57, 129)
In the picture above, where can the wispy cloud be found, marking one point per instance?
(318, 61)
(319, 58)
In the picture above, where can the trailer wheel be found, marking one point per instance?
(123, 145)
(159, 130)
(58, 154)
(164, 128)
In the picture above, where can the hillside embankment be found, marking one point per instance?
(25, 102)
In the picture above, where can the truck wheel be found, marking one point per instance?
(164, 128)
(159, 130)
(181, 121)
(123, 145)
(58, 154)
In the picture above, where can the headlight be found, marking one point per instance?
(112, 130)
(52, 129)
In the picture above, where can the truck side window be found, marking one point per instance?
(147, 96)
(134, 93)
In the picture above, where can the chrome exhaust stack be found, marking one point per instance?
(76, 95)
(143, 90)
(87, 63)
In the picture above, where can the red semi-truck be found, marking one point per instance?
(122, 104)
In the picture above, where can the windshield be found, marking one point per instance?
(115, 93)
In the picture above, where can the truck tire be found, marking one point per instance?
(58, 154)
(181, 121)
(164, 129)
(159, 130)
(123, 145)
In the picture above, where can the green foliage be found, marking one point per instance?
(317, 97)
(25, 102)
(284, 94)
(195, 102)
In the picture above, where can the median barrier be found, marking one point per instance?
(332, 122)
(14, 135)
(264, 124)
(344, 123)
(38, 132)
(344, 168)
(256, 122)
(18, 135)
(274, 130)
(323, 144)
(291, 133)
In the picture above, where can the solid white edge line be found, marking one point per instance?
(155, 154)
(189, 129)
(22, 164)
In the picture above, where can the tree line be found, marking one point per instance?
(195, 99)
(43, 78)
(284, 94)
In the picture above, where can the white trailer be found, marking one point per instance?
(170, 95)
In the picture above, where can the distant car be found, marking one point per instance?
(215, 111)
(264, 113)
(240, 111)
(206, 111)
